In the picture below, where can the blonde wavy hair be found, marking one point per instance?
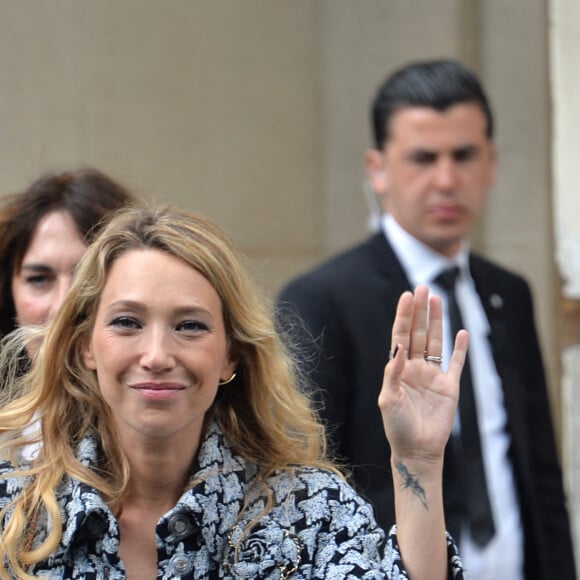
(265, 412)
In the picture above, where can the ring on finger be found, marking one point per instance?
(432, 358)
(393, 352)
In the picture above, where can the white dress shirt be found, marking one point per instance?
(503, 556)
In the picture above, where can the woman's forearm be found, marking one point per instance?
(420, 518)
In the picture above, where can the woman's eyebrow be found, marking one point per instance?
(36, 267)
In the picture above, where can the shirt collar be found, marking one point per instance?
(420, 262)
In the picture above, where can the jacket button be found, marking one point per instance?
(181, 564)
(179, 525)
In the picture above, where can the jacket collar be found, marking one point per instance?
(220, 479)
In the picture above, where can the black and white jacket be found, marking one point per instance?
(318, 528)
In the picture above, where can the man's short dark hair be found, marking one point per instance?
(438, 84)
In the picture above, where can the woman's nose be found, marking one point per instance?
(157, 355)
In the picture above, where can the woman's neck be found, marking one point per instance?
(159, 470)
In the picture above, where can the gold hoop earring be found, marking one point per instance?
(227, 381)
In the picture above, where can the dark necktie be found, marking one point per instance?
(476, 497)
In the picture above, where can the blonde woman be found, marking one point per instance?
(178, 442)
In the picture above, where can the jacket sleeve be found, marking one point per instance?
(352, 545)
(547, 476)
(454, 564)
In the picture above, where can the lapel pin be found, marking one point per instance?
(496, 301)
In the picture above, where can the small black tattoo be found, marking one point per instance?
(412, 482)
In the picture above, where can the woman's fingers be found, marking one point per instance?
(401, 334)
(418, 332)
(419, 323)
(459, 354)
(434, 345)
(399, 348)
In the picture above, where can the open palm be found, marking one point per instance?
(418, 400)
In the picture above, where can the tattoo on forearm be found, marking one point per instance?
(411, 482)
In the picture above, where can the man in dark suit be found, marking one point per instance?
(432, 164)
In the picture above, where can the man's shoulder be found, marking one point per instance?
(483, 268)
(341, 266)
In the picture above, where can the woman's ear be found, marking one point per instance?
(228, 370)
(88, 358)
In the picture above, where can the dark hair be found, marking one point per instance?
(438, 84)
(86, 194)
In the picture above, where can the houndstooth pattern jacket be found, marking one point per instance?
(318, 528)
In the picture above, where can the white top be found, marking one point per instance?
(503, 556)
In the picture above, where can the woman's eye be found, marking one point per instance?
(192, 326)
(125, 322)
(38, 280)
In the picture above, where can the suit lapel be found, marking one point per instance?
(503, 344)
(385, 263)
(494, 305)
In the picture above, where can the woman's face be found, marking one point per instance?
(159, 347)
(45, 274)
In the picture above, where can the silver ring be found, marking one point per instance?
(432, 358)
(393, 352)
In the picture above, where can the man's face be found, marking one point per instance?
(435, 170)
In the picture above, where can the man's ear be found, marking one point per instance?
(375, 171)
(88, 358)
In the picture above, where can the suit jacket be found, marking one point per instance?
(347, 307)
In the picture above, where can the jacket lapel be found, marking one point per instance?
(494, 306)
(388, 268)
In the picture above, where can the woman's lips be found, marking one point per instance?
(158, 391)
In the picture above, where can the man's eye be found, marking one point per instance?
(463, 155)
(125, 322)
(423, 158)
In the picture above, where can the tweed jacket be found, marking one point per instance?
(318, 528)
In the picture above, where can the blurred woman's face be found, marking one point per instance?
(45, 275)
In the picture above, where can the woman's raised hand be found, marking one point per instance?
(418, 399)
